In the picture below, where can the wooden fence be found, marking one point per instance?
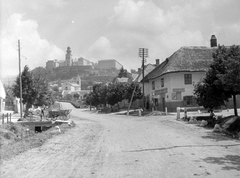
(6, 118)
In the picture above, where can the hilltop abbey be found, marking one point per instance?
(82, 63)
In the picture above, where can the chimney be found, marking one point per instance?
(139, 70)
(213, 41)
(157, 62)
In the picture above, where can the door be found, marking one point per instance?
(163, 104)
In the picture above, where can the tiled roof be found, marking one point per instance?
(74, 84)
(185, 59)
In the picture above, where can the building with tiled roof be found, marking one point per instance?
(172, 82)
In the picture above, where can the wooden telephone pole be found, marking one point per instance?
(20, 78)
(143, 53)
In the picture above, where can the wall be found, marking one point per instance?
(173, 83)
(109, 64)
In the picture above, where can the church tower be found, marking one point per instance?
(68, 57)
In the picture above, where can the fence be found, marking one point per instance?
(6, 118)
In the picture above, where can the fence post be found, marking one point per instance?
(7, 117)
(10, 117)
(2, 118)
(178, 113)
(166, 111)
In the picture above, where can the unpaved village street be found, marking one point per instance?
(109, 146)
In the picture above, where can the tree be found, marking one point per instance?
(129, 91)
(230, 76)
(222, 80)
(122, 73)
(28, 89)
(43, 95)
(34, 89)
(115, 93)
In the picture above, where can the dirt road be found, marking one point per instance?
(111, 146)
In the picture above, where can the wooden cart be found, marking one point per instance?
(59, 114)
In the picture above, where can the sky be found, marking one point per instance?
(110, 29)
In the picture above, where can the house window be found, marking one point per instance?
(177, 96)
(187, 79)
(153, 85)
(189, 100)
(162, 82)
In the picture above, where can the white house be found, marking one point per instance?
(172, 82)
(2, 97)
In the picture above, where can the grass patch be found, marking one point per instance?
(16, 138)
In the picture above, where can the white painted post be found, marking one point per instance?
(166, 111)
(178, 113)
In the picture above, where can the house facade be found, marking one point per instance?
(172, 82)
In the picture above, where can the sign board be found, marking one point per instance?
(161, 91)
(178, 90)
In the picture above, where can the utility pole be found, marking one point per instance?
(143, 53)
(90, 98)
(20, 78)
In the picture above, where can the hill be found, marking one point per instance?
(88, 76)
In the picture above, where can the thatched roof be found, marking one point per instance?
(186, 59)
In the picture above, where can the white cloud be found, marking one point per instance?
(102, 48)
(143, 24)
(34, 50)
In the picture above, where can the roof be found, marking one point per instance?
(186, 59)
(135, 76)
(122, 80)
(74, 84)
(147, 69)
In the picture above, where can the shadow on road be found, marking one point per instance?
(183, 146)
(229, 162)
(217, 136)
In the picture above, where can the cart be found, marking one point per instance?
(59, 114)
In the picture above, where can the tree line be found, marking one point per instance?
(113, 93)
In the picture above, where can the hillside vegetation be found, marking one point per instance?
(88, 76)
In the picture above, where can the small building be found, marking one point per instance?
(51, 64)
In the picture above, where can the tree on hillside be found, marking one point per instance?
(122, 73)
(222, 80)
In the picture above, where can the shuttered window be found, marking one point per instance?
(187, 79)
